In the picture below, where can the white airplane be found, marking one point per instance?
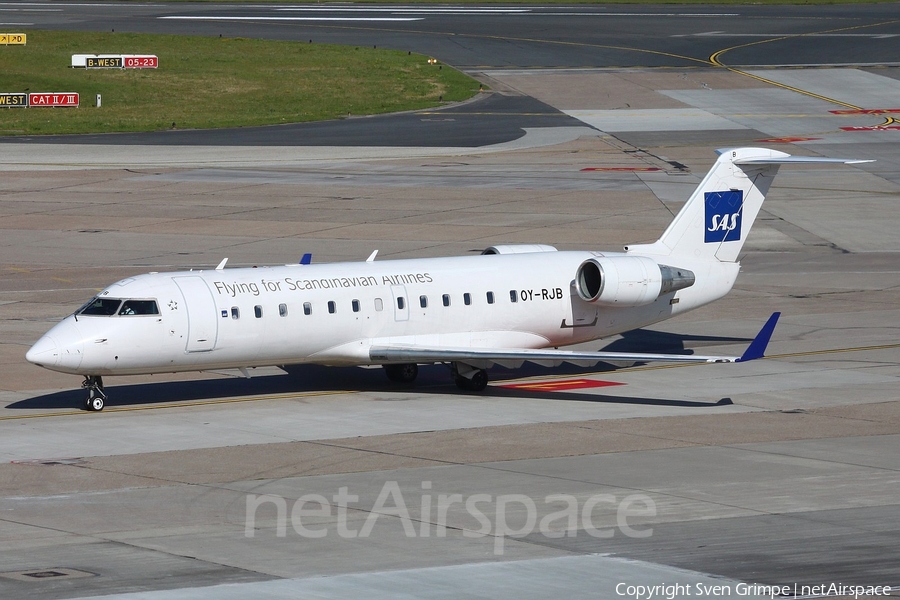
(513, 303)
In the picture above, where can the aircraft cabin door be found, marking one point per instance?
(401, 303)
(203, 322)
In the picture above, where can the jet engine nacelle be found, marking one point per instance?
(628, 280)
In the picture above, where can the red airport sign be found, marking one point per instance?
(53, 99)
(141, 61)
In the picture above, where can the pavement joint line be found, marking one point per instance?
(714, 59)
(556, 478)
(825, 460)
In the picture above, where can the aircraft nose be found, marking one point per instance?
(45, 353)
(60, 350)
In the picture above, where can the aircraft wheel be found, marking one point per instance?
(478, 382)
(405, 373)
(96, 396)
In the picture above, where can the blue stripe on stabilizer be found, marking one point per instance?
(757, 348)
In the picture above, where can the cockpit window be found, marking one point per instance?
(100, 307)
(139, 307)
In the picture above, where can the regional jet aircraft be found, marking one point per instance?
(513, 303)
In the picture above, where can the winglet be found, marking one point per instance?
(222, 264)
(306, 259)
(757, 348)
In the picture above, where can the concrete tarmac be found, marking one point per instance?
(334, 483)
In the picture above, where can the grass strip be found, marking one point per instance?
(215, 82)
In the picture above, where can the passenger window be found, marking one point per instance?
(513, 296)
(490, 297)
(235, 312)
(332, 307)
(101, 307)
(423, 301)
(379, 305)
(401, 302)
(282, 310)
(446, 299)
(307, 308)
(139, 307)
(467, 298)
(257, 310)
(355, 304)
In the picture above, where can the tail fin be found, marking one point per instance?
(716, 219)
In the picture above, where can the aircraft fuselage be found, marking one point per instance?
(333, 313)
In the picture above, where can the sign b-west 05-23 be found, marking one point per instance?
(115, 61)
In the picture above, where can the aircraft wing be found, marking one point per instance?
(514, 356)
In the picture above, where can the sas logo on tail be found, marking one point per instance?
(723, 216)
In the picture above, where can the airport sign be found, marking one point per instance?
(53, 99)
(115, 61)
(9, 100)
(141, 61)
(12, 39)
(103, 62)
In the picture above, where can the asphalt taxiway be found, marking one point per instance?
(781, 471)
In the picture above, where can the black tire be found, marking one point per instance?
(95, 404)
(478, 382)
(405, 373)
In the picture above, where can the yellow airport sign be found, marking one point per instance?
(7, 39)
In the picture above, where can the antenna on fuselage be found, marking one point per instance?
(372, 257)
(221, 266)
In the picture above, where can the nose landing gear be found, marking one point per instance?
(96, 396)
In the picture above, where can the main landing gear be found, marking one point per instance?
(466, 378)
(469, 379)
(405, 373)
(96, 396)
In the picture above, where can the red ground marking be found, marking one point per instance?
(560, 385)
(866, 111)
(623, 169)
(786, 140)
(872, 128)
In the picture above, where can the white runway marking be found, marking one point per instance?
(876, 36)
(212, 18)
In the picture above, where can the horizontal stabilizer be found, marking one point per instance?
(715, 221)
(793, 160)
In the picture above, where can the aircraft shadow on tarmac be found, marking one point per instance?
(433, 379)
